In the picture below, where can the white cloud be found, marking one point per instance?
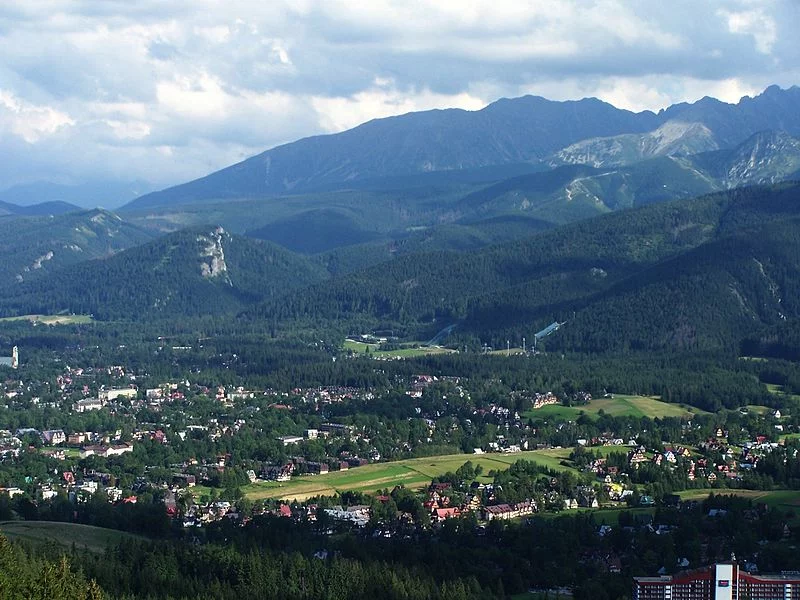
(29, 121)
(340, 113)
(133, 130)
(169, 91)
(754, 23)
(218, 34)
(199, 96)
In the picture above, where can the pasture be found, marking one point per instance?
(88, 537)
(412, 473)
(620, 405)
(779, 391)
(410, 350)
(783, 499)
(52, 319)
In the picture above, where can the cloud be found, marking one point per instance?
(167, 91)
(383, 100)
(754, 23)
(28, 121)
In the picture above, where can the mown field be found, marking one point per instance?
(620, 405)
(601, 516)
(406, 352)
(93, 539)
(412, 473)
(783, 499)
(52, 319)
(779, 391)
(757, 409)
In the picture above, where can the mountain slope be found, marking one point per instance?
(32, 247)
(765, 157)
(108, 194)
(528, 129)
(572, 192)
(670, 139)
(708, 297)
(42, 209)
(507, 131)
(523, 284)
(192, 272)
(575, 192)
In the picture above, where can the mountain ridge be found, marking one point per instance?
(527, 129)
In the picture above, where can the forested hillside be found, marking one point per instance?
(192, 272)
(633, 263)
(690, 274)
(33, 246)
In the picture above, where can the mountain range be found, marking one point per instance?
(510, 131)
(106, 194)
(693, 274)
(526, 158)
(632, 228)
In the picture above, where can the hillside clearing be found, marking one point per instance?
(93, 539)
(412, 473)
(619, 405)
(409, 350)
(52, 319)
(786, 499)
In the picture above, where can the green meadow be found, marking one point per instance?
(412, 473)
(620, 405)
(88, 537)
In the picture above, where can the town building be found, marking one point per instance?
(11, 361)
(723, 581)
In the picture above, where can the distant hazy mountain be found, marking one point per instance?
(45, 208)
(672, 138)
(528, 129)
(765, 157)
(105, 194)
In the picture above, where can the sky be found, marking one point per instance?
(167, 91)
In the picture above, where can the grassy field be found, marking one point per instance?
(779, 391)
(757, 409)
(406, 352)
(602, 516)
(52, 319)
(412, 473)
(784, 499)
(619, 406)
(94, 539)
(507, 352)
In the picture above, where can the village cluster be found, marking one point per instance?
(222, 438)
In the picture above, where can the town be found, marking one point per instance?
(205, 453)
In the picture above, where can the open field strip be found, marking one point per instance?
(621, 405)
(786, 499)
(52, 319)
(405, 352)
(758, 410)
(412, 473)
(94, 539)
(779, 391)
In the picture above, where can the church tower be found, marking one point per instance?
(14, 357)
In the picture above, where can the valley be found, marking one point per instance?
(497, 350)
